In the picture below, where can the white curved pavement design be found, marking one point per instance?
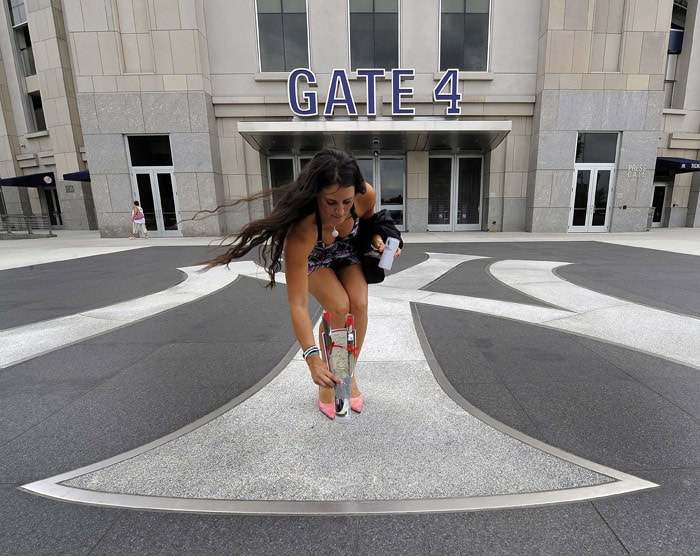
(414, 448)
(31, 340)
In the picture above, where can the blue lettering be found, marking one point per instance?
(310, 97)
(371, 75)
(306, 102)
(449, 79)
(398, 92)
(340, 78)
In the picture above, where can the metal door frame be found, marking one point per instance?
(152, 172)
(454, 195)
(590, 205)
(664, 206)
(377, 183)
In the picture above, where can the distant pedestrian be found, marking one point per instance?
(139, 224)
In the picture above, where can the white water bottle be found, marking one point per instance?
(392, 244)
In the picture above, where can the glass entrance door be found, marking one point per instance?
(53, 207)
(158, 198)
(591, 199)
(659, 205)
(454, 193)
(387, 176)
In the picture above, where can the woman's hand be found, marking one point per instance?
(321, 374)
(378, 243)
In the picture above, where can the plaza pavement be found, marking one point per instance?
(525, 394)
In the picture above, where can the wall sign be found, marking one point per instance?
(636, 171)
(305, 102)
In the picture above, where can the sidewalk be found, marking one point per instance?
(525, 394)
(74, 244)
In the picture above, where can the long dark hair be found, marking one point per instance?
(299, 199)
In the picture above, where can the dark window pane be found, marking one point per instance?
(361, 41)
(143, 183)
(361, 6)
(271, 45)
(269, 6)
(283, 35)
(24, 44)
(18, 12)
(38, 111)
(439, 190)
(281, 174)
(476, 36)
(167, 201)
(452, 6)
(602, 188)
(295, 42)
(294, 6)
(596, 148)
(386, 41)
(392, 172)
(464, 35)
(469, 191)
(386, 6)
(451, 41)
(150, 150)
(583, 180)
(367, 167)
(374, 34)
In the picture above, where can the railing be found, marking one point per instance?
(23, 225)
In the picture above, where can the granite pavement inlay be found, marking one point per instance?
(414, 447)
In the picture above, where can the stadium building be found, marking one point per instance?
(466, 115)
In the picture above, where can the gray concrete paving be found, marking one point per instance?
(505, 392)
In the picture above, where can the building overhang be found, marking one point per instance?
(667, 165)
(390, 136)
(82, 175)
(41, 179)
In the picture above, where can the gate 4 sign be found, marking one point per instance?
(304, 102)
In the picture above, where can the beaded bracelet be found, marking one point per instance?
(311, 351)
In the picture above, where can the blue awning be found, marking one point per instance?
(83, 175)
(41, 179)
(670, 165)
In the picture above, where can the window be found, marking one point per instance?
(374, 34)
(281, 174)
(594, 179)
(150, 150)
(38, 111)
(282, 35)
(675, 47)
(17, 11)
(387, 175)
(18, 15)
(464, 35)
(596, 148)
(283, 170)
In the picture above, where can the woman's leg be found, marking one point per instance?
(354, 283)
(340, 292)
(326, 287)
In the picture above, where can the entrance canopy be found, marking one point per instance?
(670, 165)
(41, 179)
(370, 135)
(82, 175)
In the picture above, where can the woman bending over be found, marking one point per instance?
(312, 229)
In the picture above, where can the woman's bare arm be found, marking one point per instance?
(298, 246)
